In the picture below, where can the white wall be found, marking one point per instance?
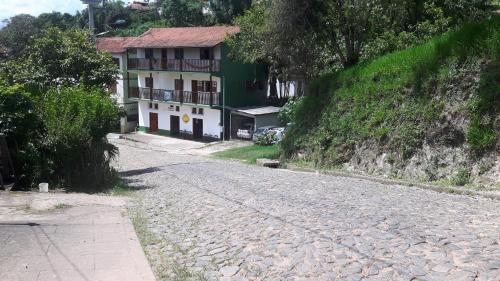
(189, 53)
(120, 87)
(211, 118)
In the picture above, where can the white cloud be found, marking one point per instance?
(36, 7)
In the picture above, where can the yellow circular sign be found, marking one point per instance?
(185, 118)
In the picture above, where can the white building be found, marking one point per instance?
(186, 84)
(115, 46)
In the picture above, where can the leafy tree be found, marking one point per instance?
(225, 11)
(63, 58)
(24, 132)
(17, 33)
(55, 19)
(183, 12)
(252, 44)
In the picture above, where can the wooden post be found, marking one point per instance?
(151, 87)
(182, 87)
(211, 92)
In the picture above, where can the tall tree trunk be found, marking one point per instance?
(273, 91)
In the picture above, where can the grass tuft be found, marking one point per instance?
(250, 154)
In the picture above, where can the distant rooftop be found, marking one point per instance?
(113, 44)
(178, 37)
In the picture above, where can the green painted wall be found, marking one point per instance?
(235, 75)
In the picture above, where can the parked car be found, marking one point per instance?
(279, 133)
(246, 132)
(260, 132)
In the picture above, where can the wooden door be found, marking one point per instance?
(174, 125)
(153, 122)
(197, 128)
(149, 82)
(194, 89)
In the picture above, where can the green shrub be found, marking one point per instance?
(24, 132)
(480, 137)
(77, 121)
(462, 177)
(268, 138)
(287, 112)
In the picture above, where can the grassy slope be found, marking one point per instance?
(391, 101)
(250, 153)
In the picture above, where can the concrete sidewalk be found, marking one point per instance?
(72, 237)
(174, 145)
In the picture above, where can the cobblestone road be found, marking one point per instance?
(218, 220)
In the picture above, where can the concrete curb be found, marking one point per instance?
(441, 189)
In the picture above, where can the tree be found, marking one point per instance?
(183, 12)
(63, 58)
(225, 11)
(55, 19)
(252, 45)
(24, 132)
(18, 32)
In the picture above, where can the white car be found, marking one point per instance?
(246, 132)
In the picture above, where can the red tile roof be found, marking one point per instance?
(113, 44)
(182, 37)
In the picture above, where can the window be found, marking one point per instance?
(149, 82)
(178, 85)
(200, 111)
(156, 106)
(133, 118)
(177, 108)
(149, 53)
(164, 53)
(179, 53)
(204, 86)
(116, 61)
(150, 105)
(193, 110)
(206, 53)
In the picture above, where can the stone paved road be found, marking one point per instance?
(219, 220)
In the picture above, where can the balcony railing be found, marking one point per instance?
(189, 65)
(205, 98)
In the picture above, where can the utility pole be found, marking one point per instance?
(90, 4)
(91, 19)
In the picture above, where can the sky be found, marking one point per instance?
(9, 8)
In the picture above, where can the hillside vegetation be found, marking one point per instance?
(429, 112)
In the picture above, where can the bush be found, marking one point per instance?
(462, 177)
(24, 132)
(77, 121)
(268, 138)
(288, 111)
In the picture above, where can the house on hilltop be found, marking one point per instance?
(186, 85)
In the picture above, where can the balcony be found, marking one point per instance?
(187, 65)
(203, 98)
